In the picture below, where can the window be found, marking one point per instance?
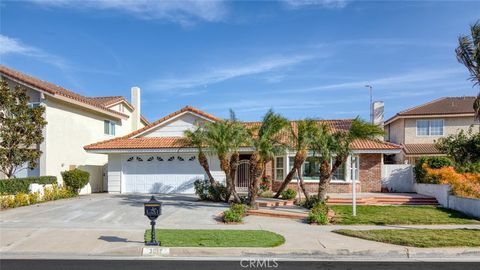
(432, 127)
(279, 168)
(311, 169)
(354, 164)
(109, 127)
(339, 173)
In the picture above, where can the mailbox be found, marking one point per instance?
(153, 209)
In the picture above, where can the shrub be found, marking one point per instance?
(289, 194)
(75, 179)
(265, 184)
(318, 214)
(431, 162)
(207, 192)
(231, 216)
(21, 199)
(34, 197)
(468, 167)
(15, 185)
(239, 208)
(462, 184)
(7, 201)
(267, 194)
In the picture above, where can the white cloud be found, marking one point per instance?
(184, 12)
(295, 4)
(10, 45)
(222, 74)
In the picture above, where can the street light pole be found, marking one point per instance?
(371, 102)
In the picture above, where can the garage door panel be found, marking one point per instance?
(142, 174)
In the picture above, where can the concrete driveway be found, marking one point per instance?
(100, 224)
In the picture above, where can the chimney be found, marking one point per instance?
(135, 99)
(378, 114)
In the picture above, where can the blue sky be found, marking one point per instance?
(302, 58)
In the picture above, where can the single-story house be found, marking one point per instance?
(150, 160)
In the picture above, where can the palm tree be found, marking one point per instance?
(468, 53)
(301, 139)
(266, 144)
(197, 139)
(333, 148)
(224, 138)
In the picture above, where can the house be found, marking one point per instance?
(75, 120)
(417, 128)
(151, 160)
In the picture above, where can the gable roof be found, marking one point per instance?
(130, 141)
(109, 101)
(55, 90)
(441, 106)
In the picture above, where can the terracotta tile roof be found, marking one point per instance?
(420, 149)
(130, 142)
(108, 101)
(441, 106)
(54, 89)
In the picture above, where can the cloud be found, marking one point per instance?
(185, 12)
(10, 45)
(296, 4)
(390, 81)
(217, 75)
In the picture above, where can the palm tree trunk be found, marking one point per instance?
(326, 175)
(234, 159)
(256, 171)
(202, 159)
(300, 157)
(225, 166)
(303, 187)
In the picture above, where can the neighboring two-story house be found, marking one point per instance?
(418, 128)
(75, 120)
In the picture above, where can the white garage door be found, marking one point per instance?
(161, 173)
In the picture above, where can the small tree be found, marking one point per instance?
(266, 144)
(21, 129)
(463, 147)
(333, 149)
(75, 179)
(468, 53)
(301, 139)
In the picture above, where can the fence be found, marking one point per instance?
(398, 177)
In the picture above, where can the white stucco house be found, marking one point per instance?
(75, 120)
(151, 160)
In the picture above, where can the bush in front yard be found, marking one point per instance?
(207, 192)
(23, 199)
(431, 162)
(231, 216)
(289, 194)
(16, 185)
(318, 214)
(75, 179)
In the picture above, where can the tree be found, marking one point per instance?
(197, 139)
(21, 129)
(301, 139)
(463, 147)
(333, 148)
(266, 143)
(468, 53)
(224, 138)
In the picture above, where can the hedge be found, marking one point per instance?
(16, 185)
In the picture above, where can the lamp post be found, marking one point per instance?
(371, 102)
(153, 209)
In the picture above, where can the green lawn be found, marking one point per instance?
(216, 238)
(389, 215)
(420, 237)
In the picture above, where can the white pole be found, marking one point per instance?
(354, 197)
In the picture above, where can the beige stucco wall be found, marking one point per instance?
(69, 129)
(395, 131)
(451, 125)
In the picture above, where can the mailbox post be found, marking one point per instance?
(153, 209)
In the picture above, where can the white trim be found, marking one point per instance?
(154, 150)
(427, 116)
(171, 119)
(391, 151)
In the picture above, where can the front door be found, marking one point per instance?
(242, 181)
